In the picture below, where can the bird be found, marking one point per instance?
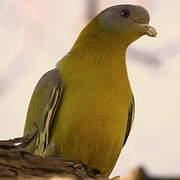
(84, 108)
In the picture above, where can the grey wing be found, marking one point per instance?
(42, 108)
(131, 114)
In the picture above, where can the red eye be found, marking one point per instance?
(125, 13)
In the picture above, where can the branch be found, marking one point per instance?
(17, 163)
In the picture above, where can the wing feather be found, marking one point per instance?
(42, 108)
(131, 114)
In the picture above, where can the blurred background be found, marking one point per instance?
(35, 34)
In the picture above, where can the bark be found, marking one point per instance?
(17, 163)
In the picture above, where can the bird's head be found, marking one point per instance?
(127, 22)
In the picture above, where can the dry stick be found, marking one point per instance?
(15, 161)
(18, 163)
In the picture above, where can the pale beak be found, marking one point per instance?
(145, 29)
(149, 30)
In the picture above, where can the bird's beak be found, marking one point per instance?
(148, 30)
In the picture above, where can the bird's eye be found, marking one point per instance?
(125, 13)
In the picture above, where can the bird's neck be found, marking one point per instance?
(98, 45)
(96, 50)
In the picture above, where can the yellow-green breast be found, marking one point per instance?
(91, 121)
